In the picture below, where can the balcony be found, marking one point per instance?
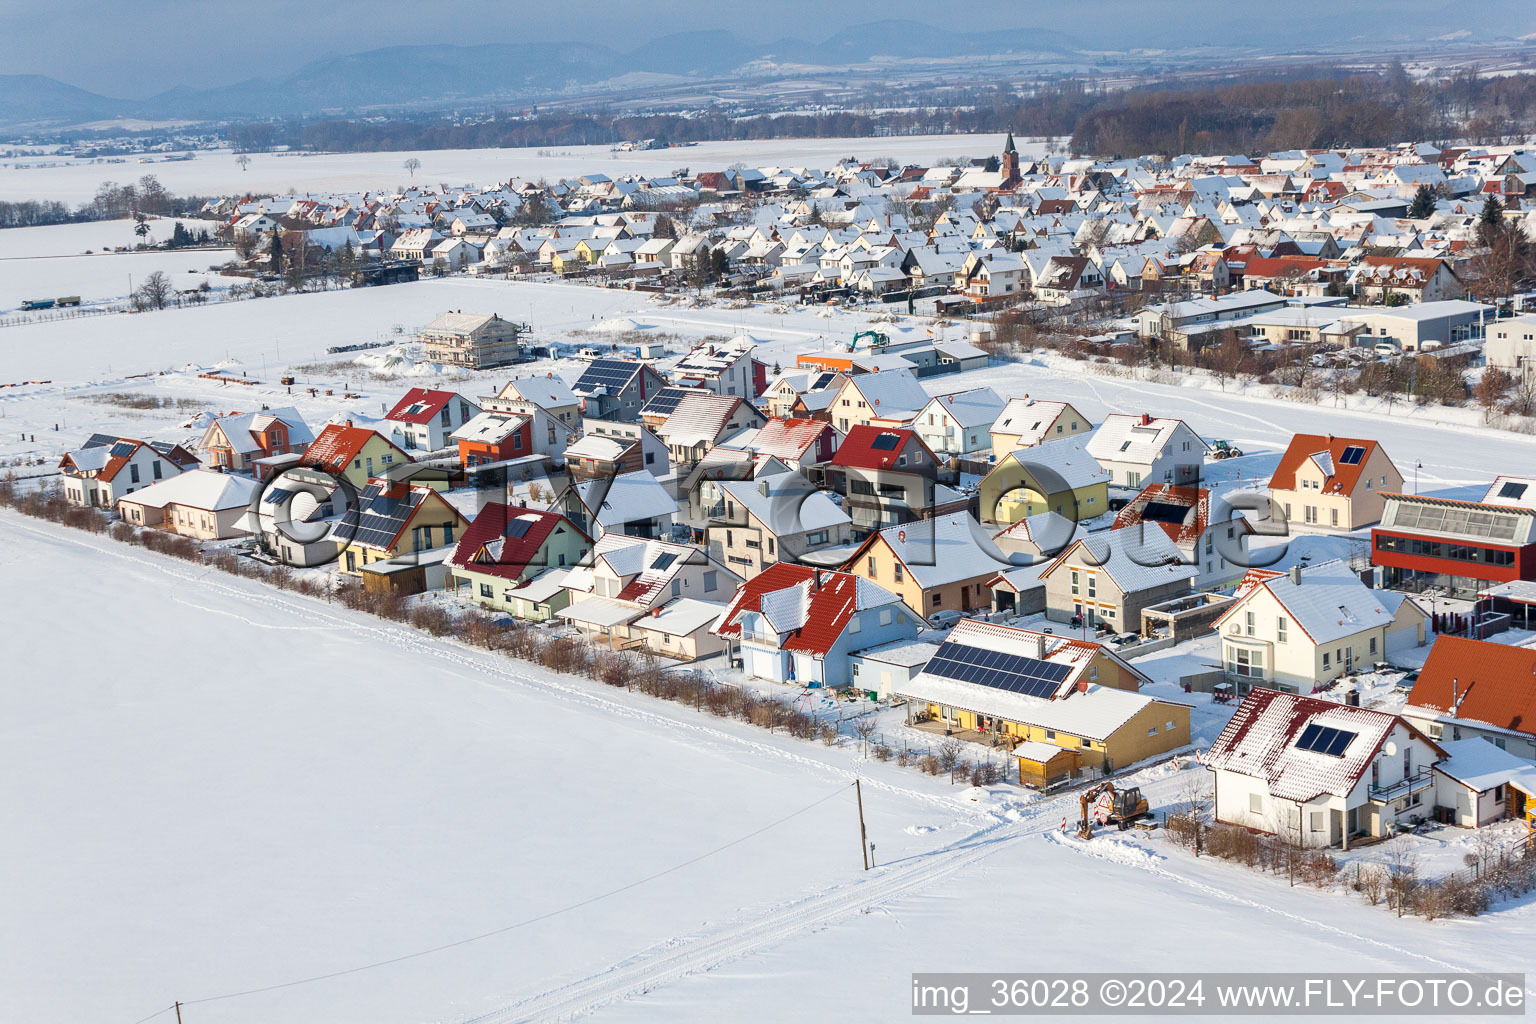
(1418, 782)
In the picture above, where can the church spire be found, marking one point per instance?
(1008, 146)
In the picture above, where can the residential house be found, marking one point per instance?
(494, 437)
(633, 504)
(353, 454)
(1299, 630)
(106, 468)
(392, 518)
(1479, 784)
(1319, 773)
(777, 517)
(1458, 547)
(292, 520)
(959, 424)
(1056, 476)
(1416, 279)
(702, 421)
(1141, 450)
(1104, 580)
(1476, 690)
(800, 625)
(891, 396)
(939, 565)
(1211, 536)
(423, 419)
(887, 477)
(1026, 422)
(199, 503)
(1013, 687)
(615, 389)
(724, 369)
(235, 441)
(799, 444)
(1329, 482)
(506, 552)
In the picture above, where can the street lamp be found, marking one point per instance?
(1416, 467)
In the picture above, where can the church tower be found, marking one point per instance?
(1010, 164)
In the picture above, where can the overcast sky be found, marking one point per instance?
(134, 49)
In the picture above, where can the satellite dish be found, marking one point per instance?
(1390, 749)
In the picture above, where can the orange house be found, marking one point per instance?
(494, 437)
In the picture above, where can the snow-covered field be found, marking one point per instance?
(302, 791)
(215, 172)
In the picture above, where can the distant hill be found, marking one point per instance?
(432, 75)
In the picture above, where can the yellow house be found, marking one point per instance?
(590, 250)
(394, 518)
(1056, 476)
(355, 454)
(1016, 686)
(1025, 422)
(936, 565)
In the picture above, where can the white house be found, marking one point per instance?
(1137, 450)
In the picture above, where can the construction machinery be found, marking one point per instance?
(1105, 805)
(877, 340)
(1225, 450)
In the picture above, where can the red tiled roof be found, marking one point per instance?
(477, 551)
(1195, 500)
(430, 402)
(338, 445)
(1281, 266)
(788, 438)
(858, 449)
(1304, 446)
(1495, 683)
(833, 598)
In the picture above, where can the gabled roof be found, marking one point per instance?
(420, 405)
(892, 394)
(788, 439)
(809, 608)
(1329, 603)
(240, 427)
(1136, 439)
(502, 540)
(1327, 452)
(1029, 419)
(202, 489)
(785, 503)
(547, 392)
(941, 550)
(975, 408)
(339, 444)
(699, 419)
(1183, 513)
(630, 497)
(1261, 742)
(868, 447)
(490, 427)
(1066, 457)
(1480, 682)
(1133, 559)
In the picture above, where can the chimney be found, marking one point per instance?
(1040, 646)
(762, 487)
(1146, 418)
(1296, 575)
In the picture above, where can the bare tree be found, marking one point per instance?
(864, 728)
(154, 293)
(412, 164)
(244, 160)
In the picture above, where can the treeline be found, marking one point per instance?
(112, 201)
(1305, 108)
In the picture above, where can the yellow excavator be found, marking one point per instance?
(1105, 805)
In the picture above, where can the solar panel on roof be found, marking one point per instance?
(665, 401)
(97, 440)
(1352, 455)
(664, 559)
(1324, 739)
(275, 496)
(123, 449)
(1512, 489)
(1164, 512)
(376, 520)
(1012, 672)
(517, 528)
(885, 442)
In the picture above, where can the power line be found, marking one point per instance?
(511, 927)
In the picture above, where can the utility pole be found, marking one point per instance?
(178, 1011)
(863, 835)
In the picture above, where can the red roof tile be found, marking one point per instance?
(338, 445)
(1304, 446)
(478, 550)
(420, 405)
(864, 448)
(1495, 683)
(833, 597)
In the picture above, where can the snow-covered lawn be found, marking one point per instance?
(216, 173)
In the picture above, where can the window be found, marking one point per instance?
(1087, 742)
(853, 625)
(938, 599)
(485, 590)
(1168, 726)
(870, 568)
(897, 571)
(711, 580)
(447, 533)
(1281, 626)
(155, 469)
(1248, 627)
(1152, 731)
(133, 474)
(1317, 819)
(1326, 662)
(1373, 645)
(1256, 803)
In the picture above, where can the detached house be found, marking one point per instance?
(777, 517)
(235, 441)
(615, 389)
(1104, 580)
(891, 396)
(507, 556)
(887, 477)
(393, 518)
(1057, 476)
(354, 454)
(1332, 482)
(796, 624)
(1211, 536)
(1141, 450)
(475, 341)
(1047, 697)
(199, 503)
(1299, 630)
(1026, 422)
(106, 468)
(1319, 773)
(1476, 690)
(494, 437)
(424, 418)
(939, 565)
(959, 424)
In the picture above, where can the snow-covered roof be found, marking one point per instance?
(1329, 603)
(200, 489)
(786, 503)
(632, 496)
(682, 617)
(1479, 765)
(944, 549)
